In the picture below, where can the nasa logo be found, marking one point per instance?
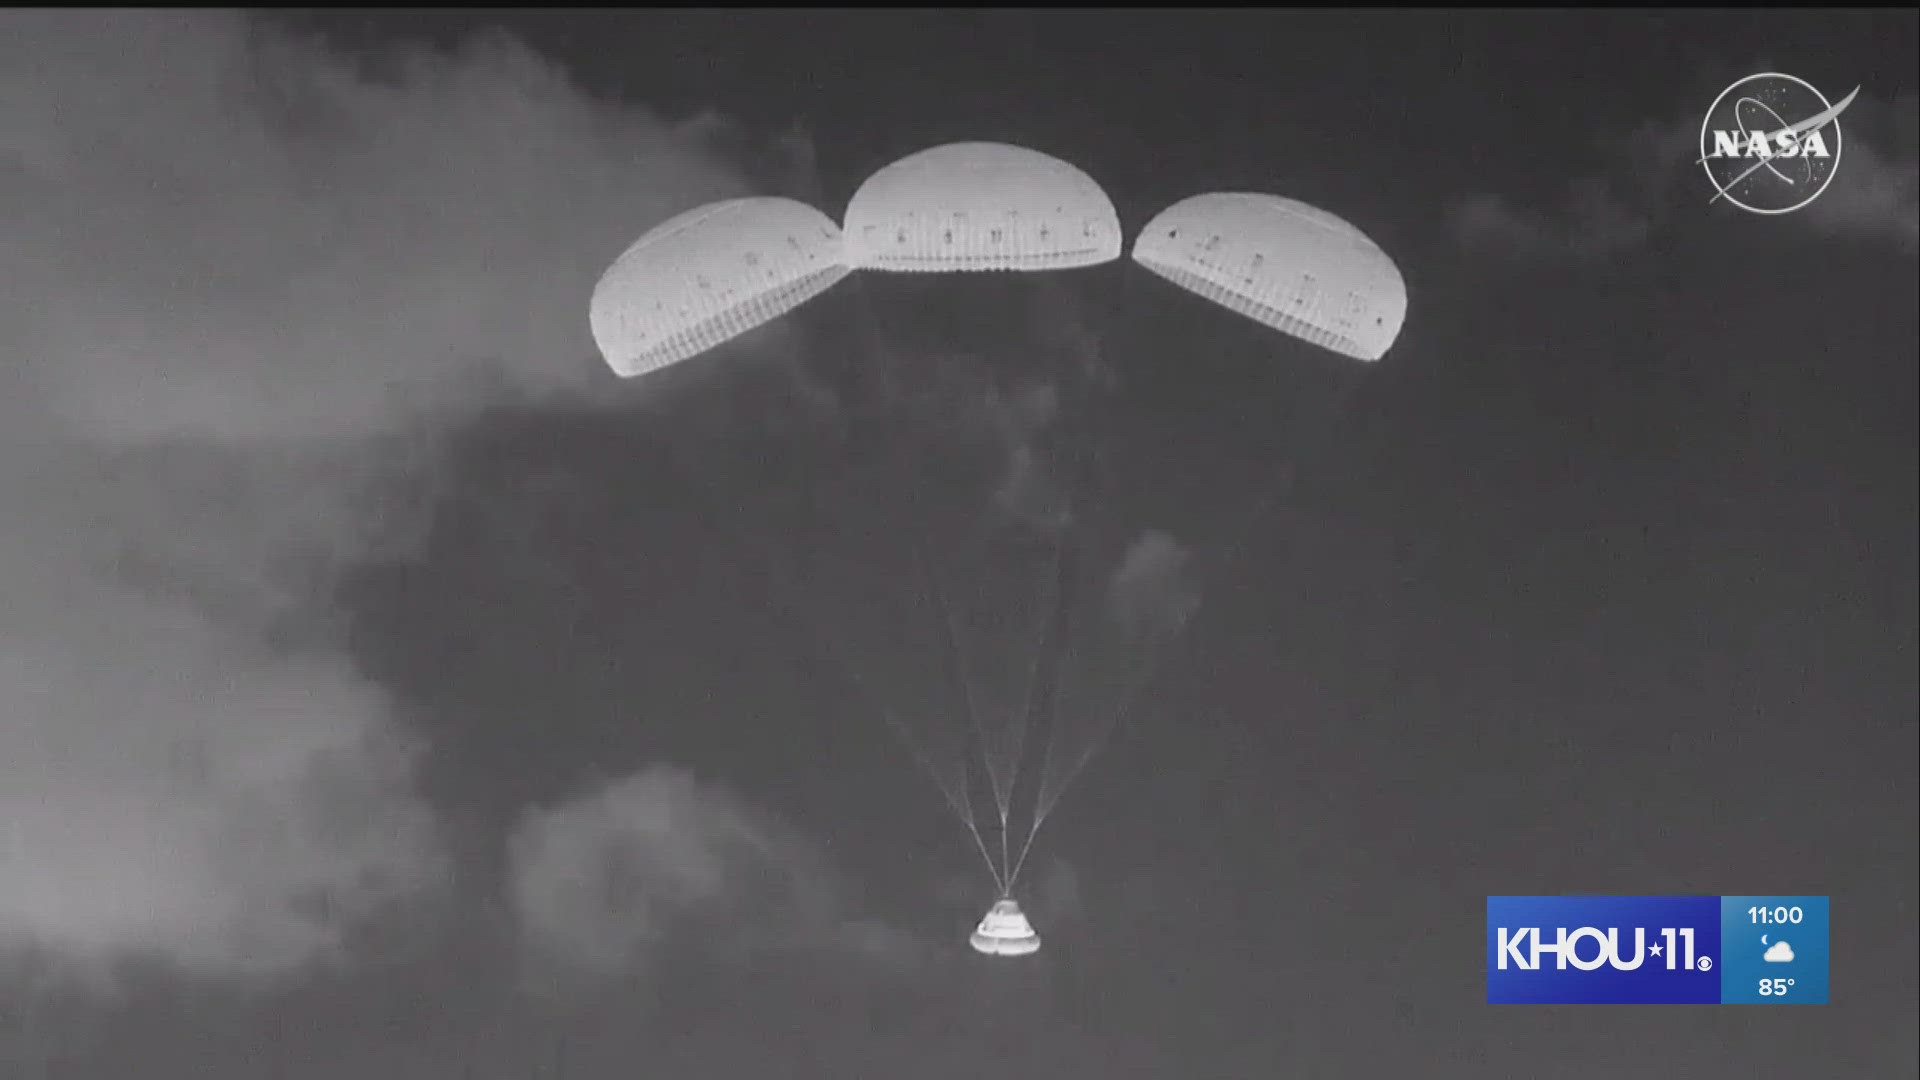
(1614, 949)
(1770, 143)
(1566, 948)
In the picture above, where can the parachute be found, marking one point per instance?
(1291, 266)
(709, 275)
(990, 588)
(1019, 637)
(980, 206)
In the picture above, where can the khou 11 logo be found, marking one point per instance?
(1603, 950)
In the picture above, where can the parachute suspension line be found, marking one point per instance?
(1318, 436)
(1043, 634)
(959, 801)
(957, 669)
(1041, 802)
(1040, 809)
(1007, 884)
(1043, 640)
(961, 805)
(1057, 644)
(1000, 882)
(1087, 477)
(1050, 798)
(888, 388)
(1277, 494)
(956, 663)
(1033, 830)
(827, 646)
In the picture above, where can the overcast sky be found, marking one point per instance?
(386, 690)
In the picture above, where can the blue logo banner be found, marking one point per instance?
(1603, 949)
(1657, 950)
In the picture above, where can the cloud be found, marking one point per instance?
(1594, 223)
(1030, 490)
(657, 861)
(1151, 592)
(1876, 189)
(1650, 175)
(249, 285)
(1779, 953)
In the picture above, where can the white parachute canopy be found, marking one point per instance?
(1005, 931)
(710, 275)
(1291, 266)
(980, 206)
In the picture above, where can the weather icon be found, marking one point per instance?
(1779, 953)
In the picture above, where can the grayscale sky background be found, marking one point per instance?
(386, 690)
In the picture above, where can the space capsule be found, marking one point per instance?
(1005, 931)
